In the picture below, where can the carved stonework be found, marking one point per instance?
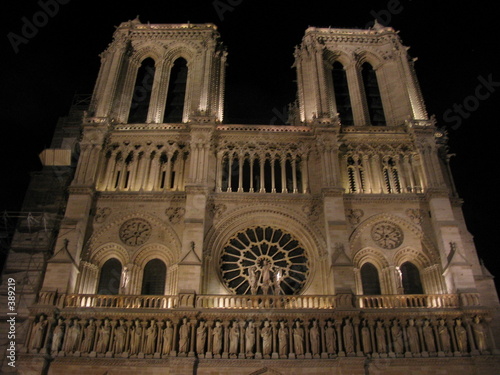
(216, 210)
(313, 210)
(387, 235)
(416, 215)
(102, 214)
(354, 216)
(175, 214)
(135, 232)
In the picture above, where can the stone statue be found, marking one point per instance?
(217, 338)
(57, 336)
(365, 338)
(151, 334)
(412, 333)
(104, 335)
(234, 336)
(135, 338)
(348, 337)
(88, 337)
(298, 338)
(314, 337)
(380, 337)
(444, 336)
(125, 278)
(120, 333)
(479, 334)
(201, 338)
(266, 334)
(38, 333)
(72, 339)
(184, 336)
(397, 337)
(249, 338)
(266, 276)
(168, 334)
(331, 338)
(461, 335)
(252, 279)
(277, 282)
(283, 339)
(429, 337)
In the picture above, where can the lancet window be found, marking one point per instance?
(381, 172)
(149, 168)
(141, 96)
(410, 277)
(373, 97)
(176, 94)
(153, 280)
(341, 94)
(261, 172)
(370, 280)
(109, 279)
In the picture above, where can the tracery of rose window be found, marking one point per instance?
(264, 260)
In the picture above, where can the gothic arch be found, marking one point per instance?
(370, 255)
(152, 251)
(107, 251)
(147, 253)
(342, 57)
(115, 222)
(369, 57)
(144, 51)
(427, 246)
(416, 257)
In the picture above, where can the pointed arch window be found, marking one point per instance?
(373, 98)
(153, 280)
(411, 279)
(341, 92)
(109, 279)
(370, 280)
(142, 92)
(174, 107)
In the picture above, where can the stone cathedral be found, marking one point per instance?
(172, 242)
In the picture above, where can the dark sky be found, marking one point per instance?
(456, 45)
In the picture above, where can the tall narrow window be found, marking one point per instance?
(176, 93)
(142, 92)
(411, 279)
(373, 98)
(109, 280)
(341, 91)
(153, 280)
(370, 280)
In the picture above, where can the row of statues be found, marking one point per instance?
(286, 338)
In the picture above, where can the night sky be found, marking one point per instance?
(456, 45)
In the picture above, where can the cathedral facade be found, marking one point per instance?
(333, 244)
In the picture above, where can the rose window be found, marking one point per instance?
(264, 260)
(387, 235)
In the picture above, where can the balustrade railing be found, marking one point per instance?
(418, 301)
(292, 302)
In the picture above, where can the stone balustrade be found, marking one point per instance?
(418, 301)
(211, 301)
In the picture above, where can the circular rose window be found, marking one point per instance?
(264, 260)
(135, 232)
(387, 235)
